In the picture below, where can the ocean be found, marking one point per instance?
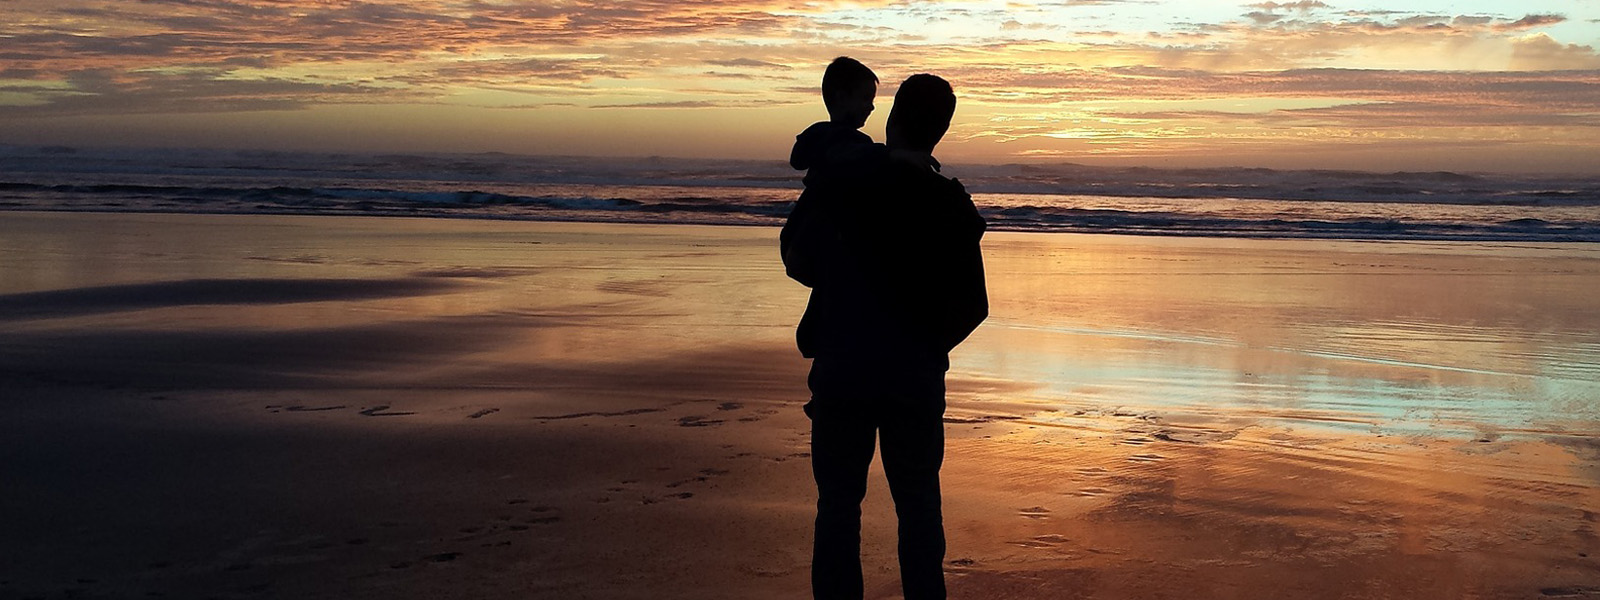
(1062, 197)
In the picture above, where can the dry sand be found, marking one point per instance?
(390, 408)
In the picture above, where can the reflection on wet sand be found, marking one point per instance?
(392, 408)
(1415, 337)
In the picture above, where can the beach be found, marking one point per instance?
(258, 406)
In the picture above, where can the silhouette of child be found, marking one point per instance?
(837, 156)
(836, 148)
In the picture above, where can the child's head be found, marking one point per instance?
(848, 88)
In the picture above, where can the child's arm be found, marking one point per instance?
(857, 157)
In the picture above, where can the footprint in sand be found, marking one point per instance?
(1194, 436)
(1575, 591)
(1091, 492)
(1043, 541)
(540, 515)
(705, 475)
(437, 558)
(1037, 512)
(760, 414)
(1147, 458)
(780, 459)
(730, 406)
(483, 413)
(646, 500)
(300, 408)
(697, 421)
(382, 410)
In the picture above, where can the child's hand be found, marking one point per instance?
(915, 159)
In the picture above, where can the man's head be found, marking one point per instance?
(921, 114)
(848, 88)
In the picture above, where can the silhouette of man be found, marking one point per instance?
(892, 255)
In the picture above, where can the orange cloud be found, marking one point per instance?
(1302, 64)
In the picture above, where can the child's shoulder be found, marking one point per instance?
(818, 142)
(831, 132)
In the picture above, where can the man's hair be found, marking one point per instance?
(922, 110)
(845, 74)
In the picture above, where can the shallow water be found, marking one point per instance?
(1448, 339)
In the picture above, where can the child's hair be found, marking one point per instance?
(845, 74)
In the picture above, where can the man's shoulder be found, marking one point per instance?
(923, 182)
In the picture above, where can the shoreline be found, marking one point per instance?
(713, 223)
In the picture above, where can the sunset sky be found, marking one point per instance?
(1458, 85)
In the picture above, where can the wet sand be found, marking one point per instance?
(319, 407)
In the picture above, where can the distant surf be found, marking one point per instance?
(1056, 197)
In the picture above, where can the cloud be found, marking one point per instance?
(1539, 52)
(1263, 17)
(1378, 70)
(1549, 91)
(1377, 116)
(1531, 22)
(748, 62)
(1301, 5)
(674, 104)
(96, 91)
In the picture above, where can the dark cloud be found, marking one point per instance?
(107, 91)
(511, 70)
(1262, 17)
(1531, 22)
(20, 73)
(1381, 115)
(1556, 92)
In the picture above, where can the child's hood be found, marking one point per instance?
(812, 145)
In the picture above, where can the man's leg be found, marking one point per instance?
(842, 438)
(912, 437)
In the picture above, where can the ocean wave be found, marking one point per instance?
(492, 168)
(758, 206)
(1031, 197)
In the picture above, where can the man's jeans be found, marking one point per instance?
(904, 409)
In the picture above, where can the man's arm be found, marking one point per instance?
(969, 294)
(806, 241)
